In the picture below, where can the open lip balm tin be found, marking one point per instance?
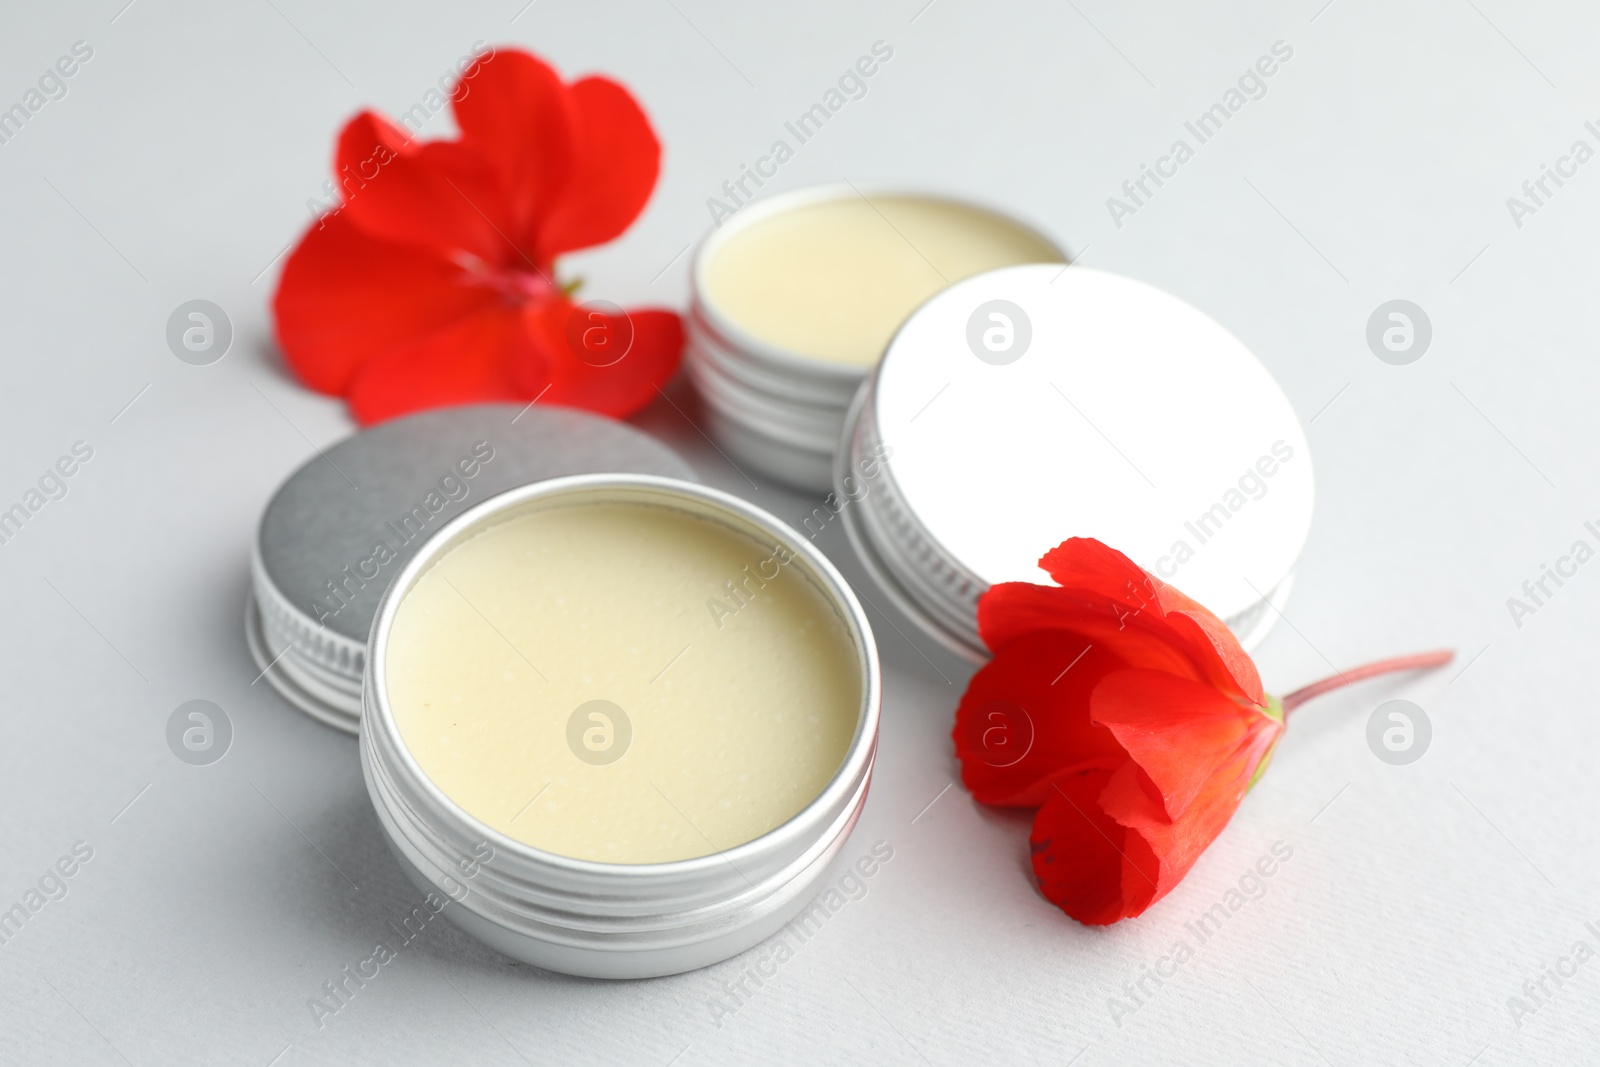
(794, 298)
(1032, 404)
(583, 916)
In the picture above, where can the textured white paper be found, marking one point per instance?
(1376, 165)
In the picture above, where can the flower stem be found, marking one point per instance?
(1420, 661)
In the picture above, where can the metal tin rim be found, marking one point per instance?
(806, 466)
(288, 685)
(712, 348)
(546, 886)
(315, 642)
(376, 692)
(867, 547)
(801, 426)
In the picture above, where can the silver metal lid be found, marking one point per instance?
(1036, 403)
(337, 532)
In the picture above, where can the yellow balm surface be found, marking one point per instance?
(834, 280)
(623, 682)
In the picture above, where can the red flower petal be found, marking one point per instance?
(1123, 820)
(1012, 610)
(1203, 626)
(615, 167)
(1176, 845)
(345, 297)
(442, 196)
(1192, 754)
(617, 389)
(1024, 719)
(1086, 564)
(433, 283)
(1087, 864)
(471, 360)
(1182, 735)
(522, 119)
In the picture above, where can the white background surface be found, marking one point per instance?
(1377, 166)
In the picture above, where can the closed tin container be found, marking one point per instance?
(1031, 404)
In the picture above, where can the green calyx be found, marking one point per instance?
(1273, 710)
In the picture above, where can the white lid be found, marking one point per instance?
(1096, 406)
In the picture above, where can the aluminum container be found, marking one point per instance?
(1120, 413)
(317, 571)
(606, 920)
(778, 410)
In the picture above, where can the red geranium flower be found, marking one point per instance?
(1128, 714)
(434, 282)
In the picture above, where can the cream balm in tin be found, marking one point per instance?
(649, 702)
(795, 298)
(1035, 403)
(342, 526)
